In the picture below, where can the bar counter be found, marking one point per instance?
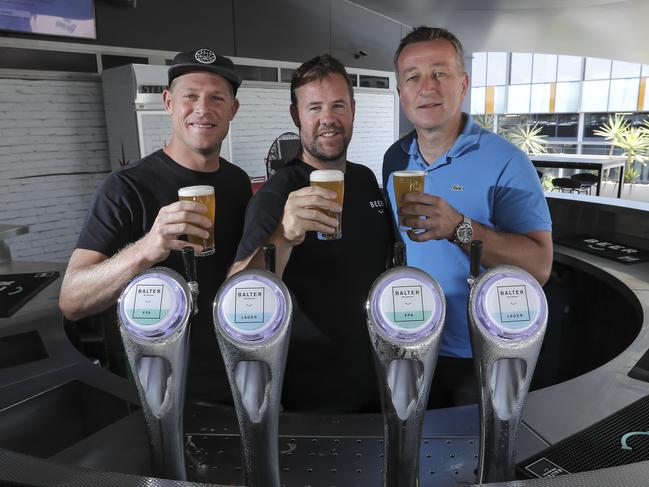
(65, 420)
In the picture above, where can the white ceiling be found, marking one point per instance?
(596, 28)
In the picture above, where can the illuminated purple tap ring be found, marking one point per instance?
(250, 308)
(153, 304)
(509, 303)
(407, 304)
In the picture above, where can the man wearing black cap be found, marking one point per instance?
(136, 220)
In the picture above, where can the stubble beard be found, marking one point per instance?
(315, 149)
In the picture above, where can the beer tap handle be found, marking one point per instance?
(399, 257)
(190, 273)
(476, 256)
(269, 258)
(190, 263)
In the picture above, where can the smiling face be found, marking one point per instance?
(325, 116)
(201, 106)
(431, 85)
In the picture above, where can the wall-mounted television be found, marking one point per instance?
(68, 18)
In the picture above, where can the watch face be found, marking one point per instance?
(464, 232)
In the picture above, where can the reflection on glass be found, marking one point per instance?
(521, 68)
(544, 68)
(500, 99)
(479, 69)
(569, 68)
(595, 96)
(623, 95)
(597, 68)
(478, 100)
(567, 97)
(540, 98)
(496, 68)
(623, 69)
(518, 100)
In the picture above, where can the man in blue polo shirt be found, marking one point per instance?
(477, 187)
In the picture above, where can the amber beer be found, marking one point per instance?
(334, 180)
(406, 182)
(204, 195)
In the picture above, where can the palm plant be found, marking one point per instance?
(633, 141)
(527, 138)
(613, 130)
(486, 120)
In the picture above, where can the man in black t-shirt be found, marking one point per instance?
(330, 365)
(136, 220)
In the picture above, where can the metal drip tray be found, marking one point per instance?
(325, 461)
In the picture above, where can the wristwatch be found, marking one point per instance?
(463, 232)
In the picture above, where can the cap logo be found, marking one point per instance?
(205, 56)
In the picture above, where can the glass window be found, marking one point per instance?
(374, 81)
(623, 95)
(518, 99)
(496, 68)
(568, 125)
(478, 100)
(500, 99)
(508, 122)
(521, 68)
(622, 69)
(567, 97)
(479, 69)
(593, 122)
(645, 70)
(286, 75)
(544, 69)
(256, 73)
(547, 124)
(597, 68)
(646, 98)
(540, 99)
(594, 97)
(569, 68)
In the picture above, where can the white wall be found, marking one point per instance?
(54, 153)
(50, 132)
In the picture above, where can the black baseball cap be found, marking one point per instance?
(204, 60)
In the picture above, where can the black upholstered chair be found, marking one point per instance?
(586, 179)
(567, 185)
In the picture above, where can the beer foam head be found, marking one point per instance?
(323, 175)
(191, 191)
(405, 174)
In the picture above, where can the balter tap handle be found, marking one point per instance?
(399, 257)
(190, 263)
(476, 257)
(269, 258)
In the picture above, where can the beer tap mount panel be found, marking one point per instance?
(154, 312)
(508, 303)
(154, 304)
(251, 307)
(406, 304)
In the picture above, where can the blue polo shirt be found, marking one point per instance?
(487, 179)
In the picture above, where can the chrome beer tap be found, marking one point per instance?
(406, 310)
(508, 317)
(154, 311)
(252, 318)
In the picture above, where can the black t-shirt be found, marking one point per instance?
(329, 367)
(124, 209)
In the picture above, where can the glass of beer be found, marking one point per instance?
(204, 195)
(406, 182)
(334, 180)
